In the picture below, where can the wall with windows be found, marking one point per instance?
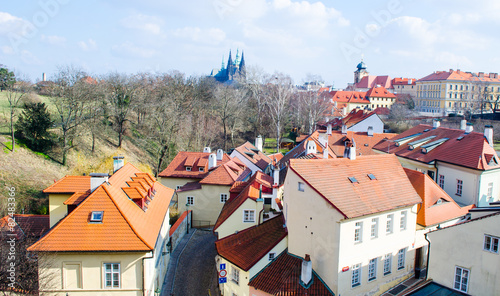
(469, 185)
(236, 222)
(462, 259)
(374, 121)
(85, 273)
(174, 183)
(205, 203)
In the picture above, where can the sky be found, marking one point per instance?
(304, 39)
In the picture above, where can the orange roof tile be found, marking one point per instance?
(125, 226)
(247, 247)
(70, 184)
(437, 206)
(389, 191)
(364, 143)
(379, 92)
(227, 174)
(370, 81)
(177, 168)
(461, 76)
(77, 198)
(300, 149)
(258, 158)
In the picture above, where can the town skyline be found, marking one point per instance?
(395, 38)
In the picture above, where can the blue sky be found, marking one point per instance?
(400, 38)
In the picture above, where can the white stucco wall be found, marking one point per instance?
(207, 204)
(373, 121)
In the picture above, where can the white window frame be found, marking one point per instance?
(402, 220)
(461, 279)
(235, 275)
(356, 275)
(489, 192)
(389, 227)
(96, 216)
(374, 228)
(387, 264)
(358, 232)
(112, 273)
(201, 169)
(177, 187)
(301, 186)
(491, 243)
(401, 258)
(247, 216)
(190, 202)
(372, 269)
(441, 181)
(223, 197)
(460, 186)
(188, 168)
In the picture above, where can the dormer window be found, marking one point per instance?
(188, 168)
(96, 216)
(201, 169)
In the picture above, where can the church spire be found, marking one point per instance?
(222, 67)
(243, 70)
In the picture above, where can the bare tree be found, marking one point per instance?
(277, 98)
(256, 105)
(313, 106)
(227, 106)
(15, 94)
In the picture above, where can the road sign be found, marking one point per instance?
(222, 266)
(222, 280)
(222, 273)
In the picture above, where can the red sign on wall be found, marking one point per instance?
(344, 269)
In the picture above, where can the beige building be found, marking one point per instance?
(356, 219)
(112, 241)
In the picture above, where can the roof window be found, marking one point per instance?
(372, 177)
(353, 180)
(96, 216)
(188, 168)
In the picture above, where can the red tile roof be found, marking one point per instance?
(379, 92)
(27, 224)
(330, 178)
(276, 157)
(461, 76)
(177, 168)
(364, 143)
(437, 206)
(258, 158)
(227, 174)
(77, 198)
(343, 96)
(247, 247)
(468, 150)
(70, 184)
(404, 81)
(125, 225)
(288, 268)
(300, 149)
(354, 117)
(372, 81)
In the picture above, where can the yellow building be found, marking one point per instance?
(108, 237)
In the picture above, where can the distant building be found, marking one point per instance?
(233, 71)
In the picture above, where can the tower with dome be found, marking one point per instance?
(360, 72)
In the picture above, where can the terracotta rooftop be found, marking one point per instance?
(252, 154)
(126, 225)
(27, 224)
(227, 173)
(300, 149)
(389, 190)
(404, 81)
(354, 117)
(195, 160)
(379, 92)
(437, 206)
(276, 157)
(457, 147)
(364, 143)
(345, 96)
(70, 184)
(247, 247)
(370, 81)
(289, 268)
(461, 76)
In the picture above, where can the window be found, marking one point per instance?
(356, 275)
(372, 269)
(301, 186)
(459, 187)
(387, 263)
(374, 228)
(461, 279)
(190, 201)
(441, 181)
(248, 215)
(188, 168)
(223, 197)
(489, 193)
(177, 187)
(112, 275)
(272, 256)
(490, 244)
(401, 258)
(235, 275)
(96, 216)
(388, 227)
(402, 221)
(201, 169)
(358, 232)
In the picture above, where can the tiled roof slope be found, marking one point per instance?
(177, 168)
(330, 178)
(364, 143)
(259, 158)
(472, 151)
(125, 226)
(372, 80)
(437, 206)
(227, 173)
(247, 247)
(300, 149)
(379, 92)
(345, 96)
(32, 225)
(251, 191)
(70, 184)
(354, 117)
(281, 277)
(461, 76)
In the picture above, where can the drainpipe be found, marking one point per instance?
(437, 172)
(428, 256)
(144, 274)
(260, 200)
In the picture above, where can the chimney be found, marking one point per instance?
(276, 176)
(310, 147)
(488, 134)
(212, 160)
(96, 179)
(220, 154)
(463, 124)
(258, 143)
(469, 128)
(329, 129)
(118, 162)
(370, 131)
(207, 150)
(344, 111)
(344, 129)
(350, 150)
(325, 149)
(481, 74)
(44, 77)
(410, 81)
(436, 123)
(306, 271)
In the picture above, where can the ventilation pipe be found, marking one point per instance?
(207, 150)
(258, 143)
(220, 154)
(212, 161)
(96, 180)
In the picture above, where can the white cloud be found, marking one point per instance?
(146, 23)
(313, 16)
(53, 40)
(10, 24)
(7, 49)
(129, 50)
(89, 45)
(211, 36)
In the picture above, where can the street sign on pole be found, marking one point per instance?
(222, 273)
(222, 280)
(222, 266)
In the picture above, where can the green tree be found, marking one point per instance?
(7, 78)
(32, 126)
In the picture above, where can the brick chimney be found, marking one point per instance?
(306, 271)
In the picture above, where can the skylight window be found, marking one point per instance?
(96, 216)
(353, 180)
(372, 177)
